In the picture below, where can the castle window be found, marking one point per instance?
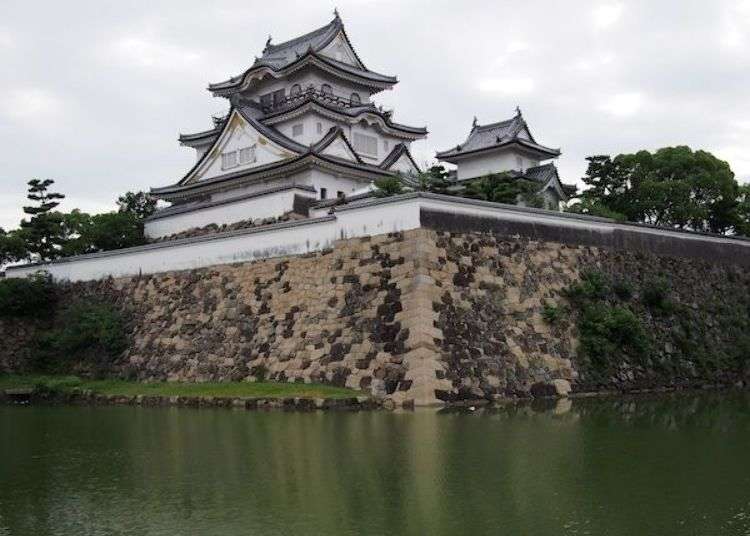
(229, 160)
(326, 90)
(340, 194)
(319, 126)
(323, 193)
(247, 155)
(355, 99)
(519, 162)
(296, 90)
(266, 101)
(278, 97)
(365, 144)
(385, 146)
(297, 130)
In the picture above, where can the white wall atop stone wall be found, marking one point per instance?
(494, 162)
(363, 218)
(264, 206)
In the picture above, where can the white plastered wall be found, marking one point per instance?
(364, 218)
(264, 206)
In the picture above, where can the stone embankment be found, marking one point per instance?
(84, 397)
(427, 317)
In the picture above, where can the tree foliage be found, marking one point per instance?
(31, 297)
(673, 187)
(49, 234)
(12, 247)
(388, 186)
(434, 180)
(43, 231)
(140, 204)
(504, 188)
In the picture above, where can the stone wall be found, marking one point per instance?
(424, 315)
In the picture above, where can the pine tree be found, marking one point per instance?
(43, 231)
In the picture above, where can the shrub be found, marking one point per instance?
(551, 313)
(611, 334)
(655, 295)
(32, 297)
(623, 289)
(90, 333)
(388, 186)
(593, 286)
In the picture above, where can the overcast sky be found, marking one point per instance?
(93, 94)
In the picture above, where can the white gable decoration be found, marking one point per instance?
(240, 146)
(340, 149)
(404, 165)
(339, 50)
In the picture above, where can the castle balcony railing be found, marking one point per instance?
(311, 93)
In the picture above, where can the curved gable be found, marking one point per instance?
(340, 50)
(238, 135)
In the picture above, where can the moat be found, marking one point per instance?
(657, 465)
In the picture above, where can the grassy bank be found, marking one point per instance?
(215, 389)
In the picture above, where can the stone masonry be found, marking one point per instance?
(423, 316)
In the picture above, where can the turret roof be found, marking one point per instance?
(496, 135)
(302, 49)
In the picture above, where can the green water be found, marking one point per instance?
(677, 465)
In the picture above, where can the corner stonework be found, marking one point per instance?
(425, 368)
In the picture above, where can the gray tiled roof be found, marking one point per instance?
(542, 174)
(310, 98)
(281, 55)
(285, 53)
(495, 135)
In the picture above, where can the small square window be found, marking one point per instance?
(297, 130)
(323, 193)
(229, 160)
(364, 144)
(340, 194)
(247, 155)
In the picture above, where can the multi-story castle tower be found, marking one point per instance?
(301, 122)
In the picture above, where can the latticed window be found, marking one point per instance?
(247, 155)
(229, 160)
(365, 144)
(297, 130)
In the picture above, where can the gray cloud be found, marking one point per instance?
(93, 94)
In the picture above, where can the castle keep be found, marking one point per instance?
(272, 258)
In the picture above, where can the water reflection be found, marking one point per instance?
(659, 465)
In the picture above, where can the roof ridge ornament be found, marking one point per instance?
(518, 111)
(474, 123)
(268, 43)
(336, 15)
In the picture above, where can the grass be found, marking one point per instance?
(216, 389)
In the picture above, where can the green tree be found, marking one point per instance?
(673, 186)
(504, 188)
(140, 204)
(115, 230)
(12, 247)
(743, 210)
(43, 231)
(388, 186)
(87, 233)
(434, 180)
